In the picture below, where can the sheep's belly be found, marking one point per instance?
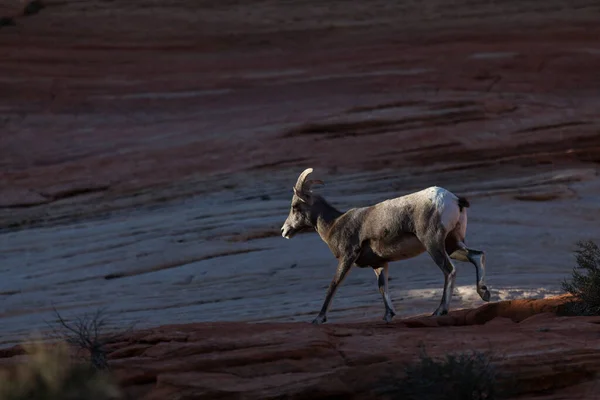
(400, 248)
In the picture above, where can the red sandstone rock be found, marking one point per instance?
(548, 355)
(145, 100)
(20, 198)
(302, 361)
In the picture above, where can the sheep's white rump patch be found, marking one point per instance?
(447, 205)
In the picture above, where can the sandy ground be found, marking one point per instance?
(147, 151)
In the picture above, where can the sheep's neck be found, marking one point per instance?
(325, 216)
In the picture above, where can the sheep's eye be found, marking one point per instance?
(296, 207)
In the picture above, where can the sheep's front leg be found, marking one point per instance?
(382, 281)
(342, 270)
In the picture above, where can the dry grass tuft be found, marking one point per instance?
(49, 373)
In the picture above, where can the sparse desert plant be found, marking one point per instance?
(86, 333)
(49, 374)
(33, 7)
(585, 280)
(7, 21)
(464, 376)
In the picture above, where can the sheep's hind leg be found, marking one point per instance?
(477, 258)
(436, 249)
(382, 281)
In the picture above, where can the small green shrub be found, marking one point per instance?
(49, 374)
(464, 376)
(585, 281)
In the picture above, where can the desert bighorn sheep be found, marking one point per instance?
(432, 220)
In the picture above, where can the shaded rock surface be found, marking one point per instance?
(543, 355)
(546, 354)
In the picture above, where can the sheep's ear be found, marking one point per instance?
(314, 182)
(302, 196)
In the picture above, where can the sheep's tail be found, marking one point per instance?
(463, 203)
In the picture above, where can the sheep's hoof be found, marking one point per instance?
(388, 318)
(485, 294)
(319, 320)
(438, 313)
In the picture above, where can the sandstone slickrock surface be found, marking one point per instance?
(146, 148)
(543, 355)
(543, 352)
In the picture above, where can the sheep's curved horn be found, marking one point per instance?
(300, 182)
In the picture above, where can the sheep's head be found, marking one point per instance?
(299, 217)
